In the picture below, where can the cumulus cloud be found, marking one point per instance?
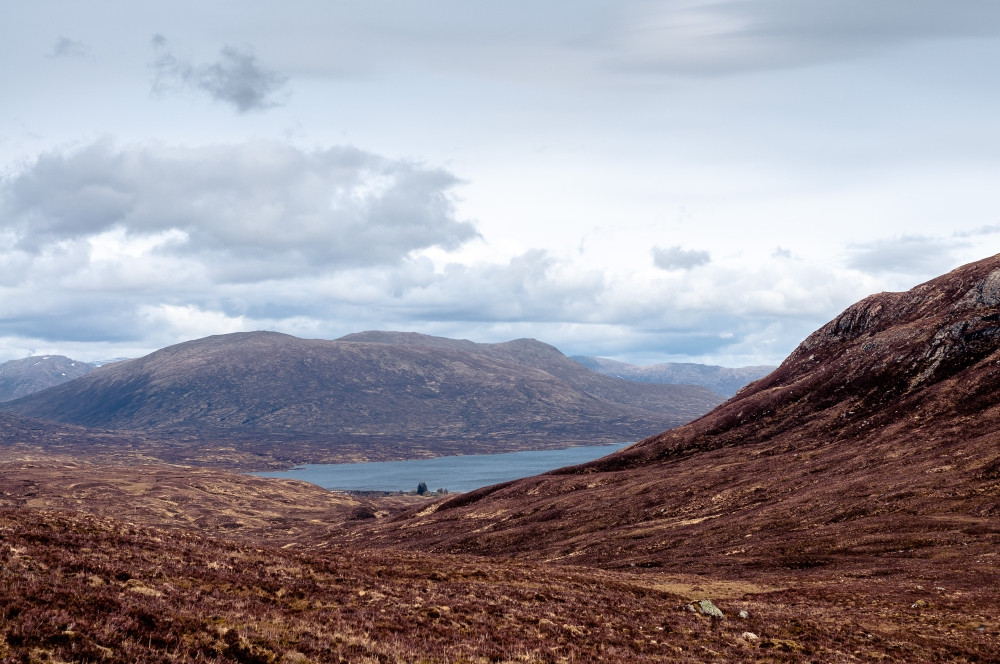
(731, 36)
(246, 212)
(152, 245)
(69, 48)
(236, 78)
(781, 253)
(113, 287)
(110, 243)
(676, 258)
(909, 254)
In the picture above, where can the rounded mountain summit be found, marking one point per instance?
(395, 394)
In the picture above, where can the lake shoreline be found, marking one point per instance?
(441, 475)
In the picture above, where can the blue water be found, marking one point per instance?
(455, 473)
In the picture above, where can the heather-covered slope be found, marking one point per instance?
(78, 588)
(444, 399)
(875, 445)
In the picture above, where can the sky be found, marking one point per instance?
(645, 180)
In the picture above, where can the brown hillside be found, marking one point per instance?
(80, 588)
(874, 447)
(687, 400)
(276, 393)
(210, 501)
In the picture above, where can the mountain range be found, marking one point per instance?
(375, 394)
(726, 381)
(33, 374)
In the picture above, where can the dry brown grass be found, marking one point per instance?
(284, 512)
(82, 588)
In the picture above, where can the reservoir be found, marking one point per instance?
(454, 473)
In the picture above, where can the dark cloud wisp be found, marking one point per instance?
(909, 254)
(676, 258)
(236, 78)
(724, 37)
(69, 48)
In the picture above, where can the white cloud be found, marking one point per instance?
(173, 322)
(577, 166)
(733, 312)
(149, 242)
(248, 212)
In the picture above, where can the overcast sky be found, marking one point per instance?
(663, 180)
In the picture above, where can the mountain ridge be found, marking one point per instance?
(450, 397)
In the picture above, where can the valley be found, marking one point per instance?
(846, 507)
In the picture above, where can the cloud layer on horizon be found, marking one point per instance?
(722, 37)
(701, 179)
(154, 244)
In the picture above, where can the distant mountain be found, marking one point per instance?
(101, 363)
(722, 380)
(378, 389)
(875, 447)
(32, 374)
(532, 354)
